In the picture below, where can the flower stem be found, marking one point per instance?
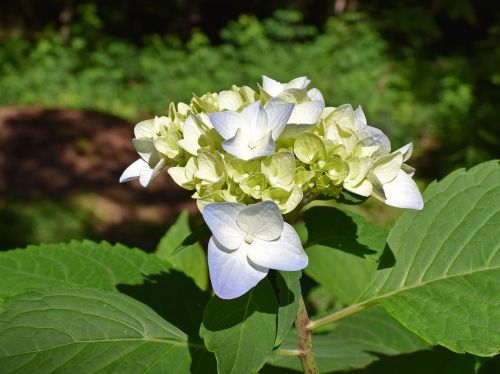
(288, 352)
(306, 353)
(337, 315)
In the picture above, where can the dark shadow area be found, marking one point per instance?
(73, 160)
(436, 361)
(333, 228)
(223, 314)
(387, 258)
(175, 297)
(203, 361)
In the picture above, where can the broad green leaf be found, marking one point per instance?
(192, 260)
(84, 330)
(242, 331)
(343, 251)
(445, 285)
(80, 264)
(288, 297)
(355, 342)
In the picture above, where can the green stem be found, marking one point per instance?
(288, 352)
(337, 315)
(305, 340)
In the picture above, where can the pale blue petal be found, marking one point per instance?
(221, 219)
(285, 253)
(227, 123)
(262, 220)
(231, 273)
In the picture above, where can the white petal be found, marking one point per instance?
(272, 87)
(264, 147)
(191, 133)
(134, 170)
(147, 175)
(262, 220)
(226, 123)
(144, 129)
(386, 168)
(238, 146)
(229, 100)
(285, 253)
(373, 136)
(406, 151)
(278, 114)
(298, 83)
(257, 126)
(145, 148)
(307, 113)
(360, 118)
(250, 114)
(221, 219)
(178, 174)
(365, 188)
(231, 274)
(403, 192)
(315, 94)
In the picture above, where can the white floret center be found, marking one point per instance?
(248, 238)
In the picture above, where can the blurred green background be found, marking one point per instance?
(425, 72)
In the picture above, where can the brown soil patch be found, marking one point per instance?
(64, 154)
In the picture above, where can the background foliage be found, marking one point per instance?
(421, 70)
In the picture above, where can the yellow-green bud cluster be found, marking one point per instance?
(334, 150)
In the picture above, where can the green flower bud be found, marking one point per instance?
(309, 148)
(238, 169)
(279, 169)
(286, 200)
(254, 185)
(336, 169)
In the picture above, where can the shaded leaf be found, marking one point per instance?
(288, 297)
(192, 259)
(343, 251)
(241, 332)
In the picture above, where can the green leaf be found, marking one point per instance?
(241, 331)
(85, 330)
(343, 251)
(191, 260)
(198, 234)
(446, 281)
(288, 297)
(78, 264)
(355, 342)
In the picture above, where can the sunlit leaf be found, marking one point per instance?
(81, 264)
(83, 330)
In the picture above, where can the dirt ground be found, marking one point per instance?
(66, 155)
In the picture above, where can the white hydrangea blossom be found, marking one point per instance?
(252, 132)
(247, 241)
(250, 157)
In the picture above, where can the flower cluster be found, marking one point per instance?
(250, 157)
(280, 144)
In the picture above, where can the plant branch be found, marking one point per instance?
(306, 353)
(337, 315)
